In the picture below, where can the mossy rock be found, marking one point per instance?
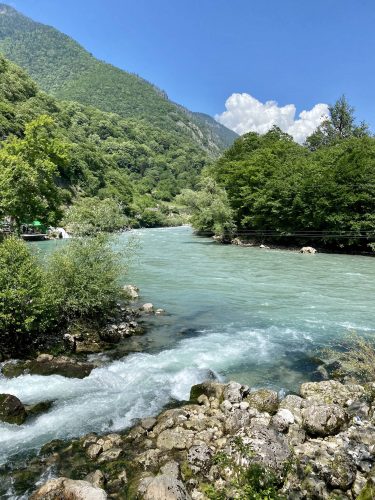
(264, 400)
(12, 411)
(209, 389)
(56, 366)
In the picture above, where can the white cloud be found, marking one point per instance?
(244, 113)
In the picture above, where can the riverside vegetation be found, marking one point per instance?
(153, 163)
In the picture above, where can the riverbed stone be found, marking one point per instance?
(308, 250)
(148, 308)
(12, 411)
(332, 391)
(282, 420)
(68, 489)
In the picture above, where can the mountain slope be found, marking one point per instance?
(135, 163)
(65, 69)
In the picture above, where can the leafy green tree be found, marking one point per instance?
(29, 168)
(91, 216)
(339, 125)
(26, 306)
(209, 208)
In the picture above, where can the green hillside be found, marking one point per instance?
(128, 160)
(65, 69)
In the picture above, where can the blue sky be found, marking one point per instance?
(300, 52)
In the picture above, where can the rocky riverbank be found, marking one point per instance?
(227, 442)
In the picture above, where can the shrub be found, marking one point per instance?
(84, 277)
(26, 306)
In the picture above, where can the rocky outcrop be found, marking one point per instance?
(319, 444)
(12, 411)
(131, 292)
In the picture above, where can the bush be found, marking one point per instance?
(26, 306)
(90, 216)
(84, 276)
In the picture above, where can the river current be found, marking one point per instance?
(256, 316)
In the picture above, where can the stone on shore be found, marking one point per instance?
(308, 250)
(68, 489)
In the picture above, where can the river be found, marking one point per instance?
(256, 316)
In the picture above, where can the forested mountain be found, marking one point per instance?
(66, 70)
(108, 156)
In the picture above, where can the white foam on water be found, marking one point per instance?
(112, 396)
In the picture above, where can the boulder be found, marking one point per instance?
(162, 487)
(38, 408)
(175, 439)
(233, 392)
(67, 489)
(12, 411)
(209, 389)
(332, 391)
(148, 308)
(265, 446)
(308, 250)
(323, 420)
(264, 400)
(131, 292)
(282, 420)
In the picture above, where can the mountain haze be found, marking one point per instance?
(66, 70)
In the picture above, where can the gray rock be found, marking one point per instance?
(209, 389)
(332, 391)
(282, 420)
(162, 487)
(308, 250)
(199, 458)
(131, 292)
(176, 438)
(148, 308)
(63, 488)
(148, 423)
(233, 392)
(264, 400)
(236, 420)
(323, 420)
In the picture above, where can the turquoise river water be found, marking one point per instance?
(252, 315)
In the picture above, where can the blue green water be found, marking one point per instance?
(253, 315)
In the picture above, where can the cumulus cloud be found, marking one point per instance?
(244, 113)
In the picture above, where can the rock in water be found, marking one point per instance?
(148, 308)
(12, 410)
(308, 250)
(63, 488)
(132, 292)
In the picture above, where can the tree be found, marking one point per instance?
(339, 125)
(29, 168)
(209, 209)
(90, 216)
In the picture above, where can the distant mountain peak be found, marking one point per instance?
(6, 9)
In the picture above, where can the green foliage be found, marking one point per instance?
(249, 482)
(28, 171)
(90, 216)
(84, 277)
(340, 124)
(281, 189)
(209, 208)
(109, 156)
(65, 69)
(26, 306)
